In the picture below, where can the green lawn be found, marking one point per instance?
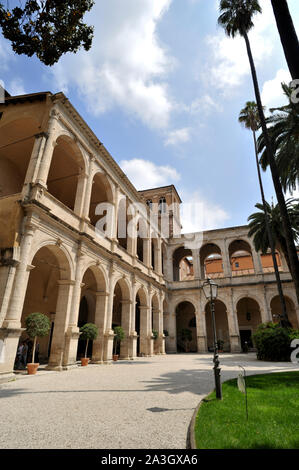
(273, 404)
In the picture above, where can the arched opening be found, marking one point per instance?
(186, 327)
(17, 140)
(141, 236)
(87, 309)
(67, 165)
(153, 252)
(249, 318)
(276, 311)
(101, 193)
(122, 223)
(46, 294)
(183, 265)
(222, 330)
(210, 261)
(121, 313)
(240, 256)
(141, 322)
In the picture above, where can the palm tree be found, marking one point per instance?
(249, 117)
(258, 230)
(288, 36)
(236, 18)
(257, 226)
(284, 134)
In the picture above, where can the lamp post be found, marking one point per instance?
(210, 289)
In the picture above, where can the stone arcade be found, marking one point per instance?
(54, 173)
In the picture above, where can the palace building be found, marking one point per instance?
(58, 185)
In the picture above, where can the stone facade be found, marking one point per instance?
(55, 179)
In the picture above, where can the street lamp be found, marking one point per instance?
(210, 289)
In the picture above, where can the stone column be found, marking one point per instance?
(57, 359)
(202, 345)
(100, 320)
(108, 332)
(158, 256)
(46, 159)
(7, 275)
(257, 264)
(126, 320)
(266, 313)
(196, 264)
(227, 269)
(81, 194)
(233, 327)
(146, 341)
(147, 252)
(33, 167)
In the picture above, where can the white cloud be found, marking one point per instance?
(16, 87)
(229, 64)
(145, 174)
(126, 66)
(178, 136)
(197, 213)
(272, 93)
(205, 105)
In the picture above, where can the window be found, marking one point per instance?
(236, 265)
(149, 203)
(162, 205)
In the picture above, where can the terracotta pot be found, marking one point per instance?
(32, 368)
(84, 361)
(115, 357)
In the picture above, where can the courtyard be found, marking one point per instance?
(143, 404)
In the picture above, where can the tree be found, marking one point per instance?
(288, 36)
(37, 325)
(249, 117)
(257, 226)
(48, 28)
(284, 134)
(236, 17)
(89, 332)
(119, 335)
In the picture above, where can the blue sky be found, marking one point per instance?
(162, 88)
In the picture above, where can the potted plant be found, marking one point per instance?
(155, 336)
(88, 332)
(220, 344)
(186, 337)
(119, 335)
(37, 325)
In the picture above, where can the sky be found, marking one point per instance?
(162, 87)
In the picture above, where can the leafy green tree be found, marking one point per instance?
(257, 230)
(48, 28)
(37, 325)
(236, 17)
(284, 134)
(249, 117)
(89, 332)
(119, 335)
(287, 34)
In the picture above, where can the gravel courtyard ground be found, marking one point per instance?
(147, 403)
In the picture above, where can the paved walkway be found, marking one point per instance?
(147, 403)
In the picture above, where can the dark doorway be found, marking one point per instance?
(83, 318)
(245, 336)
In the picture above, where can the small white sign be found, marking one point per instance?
(241, 383)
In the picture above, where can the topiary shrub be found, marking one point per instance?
(119, 335)
(155, 334)
(37, 325)
(89, 332)
(273, 342)
(186, 337)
